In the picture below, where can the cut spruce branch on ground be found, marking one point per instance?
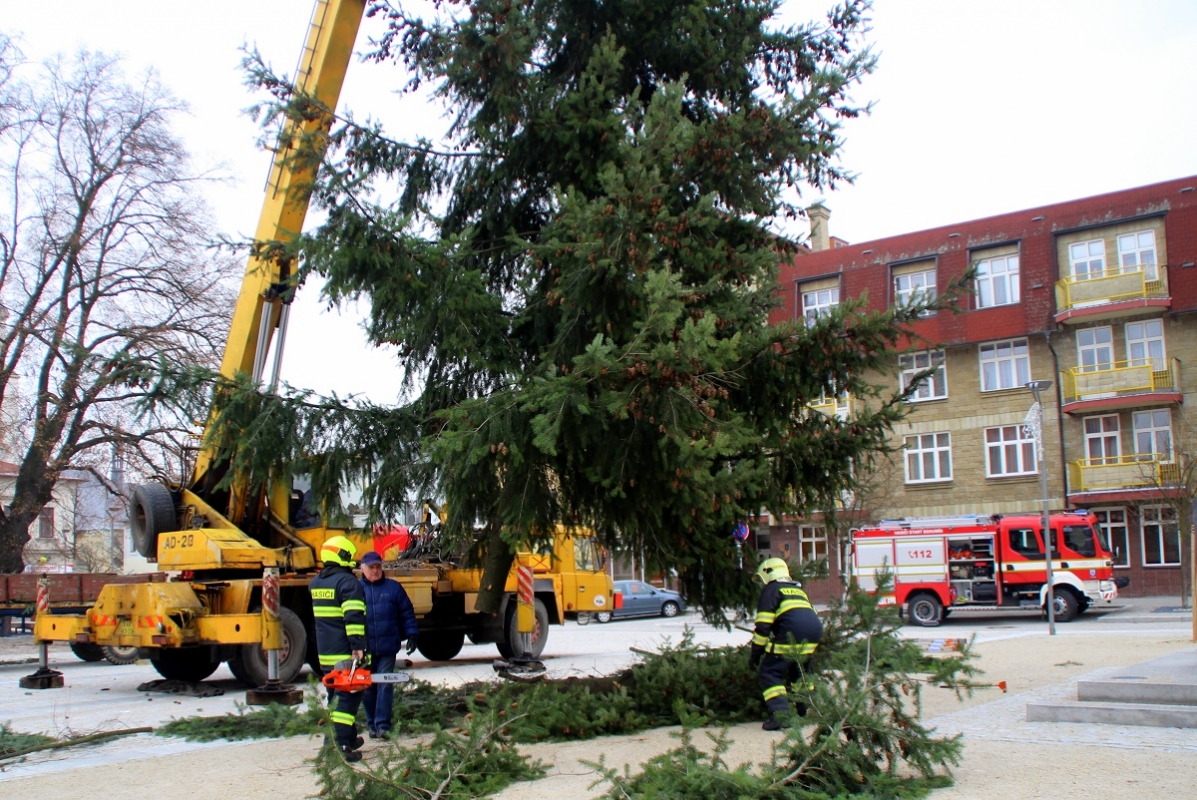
(862, 734)
(18, 745)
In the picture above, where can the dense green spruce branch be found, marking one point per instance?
(582, 272)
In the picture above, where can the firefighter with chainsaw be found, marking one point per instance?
(339, 606)
(787, 632)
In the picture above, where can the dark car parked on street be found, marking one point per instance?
(642, 599)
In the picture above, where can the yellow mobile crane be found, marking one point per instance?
(239, 567)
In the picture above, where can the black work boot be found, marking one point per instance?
(777, 721)
(349, 754)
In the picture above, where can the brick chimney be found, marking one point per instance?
(820, 237)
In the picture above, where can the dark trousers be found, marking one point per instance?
(380, 697)
(777, 673)
(343, 710)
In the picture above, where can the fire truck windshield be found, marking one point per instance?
(1080, 540)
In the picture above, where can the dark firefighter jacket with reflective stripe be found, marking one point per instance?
(340, 610)
(786, 622)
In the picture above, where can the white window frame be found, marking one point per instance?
(812, 542)
(932, 387)
(822, 301)
(1154, 521)
(998, 275)
(932, 450)
(1131, 248)
(1089, 347)
(1106, 436)
(915, 287)
(1146, 341)
(1013, 447)
(1154, 430)
(1087, 260)
(1117, 534)
(1005, 353)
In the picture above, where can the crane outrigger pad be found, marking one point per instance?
(518, 667)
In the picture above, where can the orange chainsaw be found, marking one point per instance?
(356, 678)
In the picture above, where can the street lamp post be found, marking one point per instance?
(1035, 421)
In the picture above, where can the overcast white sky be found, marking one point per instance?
(982, 107)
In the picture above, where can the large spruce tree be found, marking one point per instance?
(580, 276)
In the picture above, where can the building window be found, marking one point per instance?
(929, 457)
(1153, 434)
(1101, 440)
(45, 523)
(812, 543)
(1145, 342)
(1005, 365)
(1111, 527)
(1087, 259)
(1136, 251)
(932, 387)
(818, 302)
(1161, 537)
(1009, 450)
(1095, 349)
(914, 287)
(764, 540)
(997, 281)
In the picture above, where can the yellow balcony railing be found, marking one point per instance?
(1144, 470)
(1119, 378)
(834, 407)
(1110, 287)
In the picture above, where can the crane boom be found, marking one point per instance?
(261, 307)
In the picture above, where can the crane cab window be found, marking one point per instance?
(1025, 542)
(585, 557)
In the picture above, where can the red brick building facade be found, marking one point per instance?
(1096, 295)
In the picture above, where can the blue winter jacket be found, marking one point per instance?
(390, 617)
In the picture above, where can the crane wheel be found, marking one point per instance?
(510, 646)
(153, 511)
(120, 655)
(250, 665)
(189, 664)
(87, 651)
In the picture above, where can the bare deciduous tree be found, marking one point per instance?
(104, 271)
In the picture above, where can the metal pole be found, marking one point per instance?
(1041, 452)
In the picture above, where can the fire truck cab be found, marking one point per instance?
(982, 562)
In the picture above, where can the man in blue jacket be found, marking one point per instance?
(390, 619)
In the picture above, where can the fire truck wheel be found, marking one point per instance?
(87, 651)
(440, 645)
(250, 665)
(1065, 605)
(925, 610)
(153, 512)
(120, 655)
(190, 664)
(540, 633)
(602, 616)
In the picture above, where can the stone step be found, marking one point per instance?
(1132, 690)
(1152, 715)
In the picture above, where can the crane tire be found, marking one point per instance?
(87, 651)
(152, 512)
(510, 646)
(120, 655)
(190, 664)
(250, 664)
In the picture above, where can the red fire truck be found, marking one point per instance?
(985, 563)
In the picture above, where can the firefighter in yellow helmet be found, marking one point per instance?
(787, 632)
(339, 606)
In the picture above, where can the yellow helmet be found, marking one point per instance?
(339, 550)
(773, 569)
